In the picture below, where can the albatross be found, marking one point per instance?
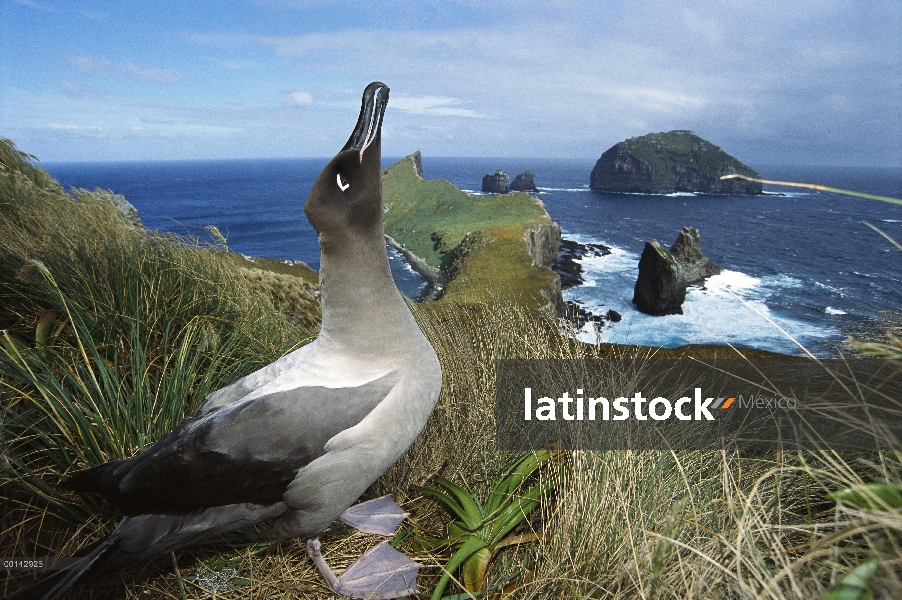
(300, 440)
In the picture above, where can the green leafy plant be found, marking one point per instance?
(855, 585)
(481, 531)
(873, 496)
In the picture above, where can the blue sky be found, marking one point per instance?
(771, 82)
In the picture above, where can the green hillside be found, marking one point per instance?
(476, 241)
(417, 207)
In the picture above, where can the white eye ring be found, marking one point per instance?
(341, 182)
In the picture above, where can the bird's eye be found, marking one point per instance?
(342, 184)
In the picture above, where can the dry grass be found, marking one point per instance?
(617, 525)
(621, 524)
(656, 524)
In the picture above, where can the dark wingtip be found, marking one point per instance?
(94, 480)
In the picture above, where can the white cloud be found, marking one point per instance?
(433, 106)
(33, 4)
(235, 65)
(296, 98)
(98, 65)
(659, 100)
(72, 128)
(155, 76)
(91, 65)
(177, 129)
(569, 80)
(71, 89)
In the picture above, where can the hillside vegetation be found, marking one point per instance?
(477, 242)
(416, 208)
(111, 334)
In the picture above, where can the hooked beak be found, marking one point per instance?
(369, 123)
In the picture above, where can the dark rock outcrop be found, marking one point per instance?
(664, 163)
(543, 242)
(499, 183)
(687, 250)
(568, 267)
(661, 286)
(663, 276)
(125, 208)
(579, 316)
(418, 163)
(524, 182)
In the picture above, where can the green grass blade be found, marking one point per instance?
(815, 186)
(470, 547)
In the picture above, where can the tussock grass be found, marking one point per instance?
(111, 334)
(651, 524)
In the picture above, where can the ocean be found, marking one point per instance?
(801, 267)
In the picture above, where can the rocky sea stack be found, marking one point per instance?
(524, 182)
(499, 183)
(663, 276)
(664, 163)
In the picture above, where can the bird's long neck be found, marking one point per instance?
(362, 308)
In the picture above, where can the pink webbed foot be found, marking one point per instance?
(380, 516)
(381, 573)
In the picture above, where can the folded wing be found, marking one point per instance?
(246, 452)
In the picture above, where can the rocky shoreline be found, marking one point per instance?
(567, 265)
(432, 276)
(570, 270)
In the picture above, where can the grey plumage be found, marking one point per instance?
(300, 440)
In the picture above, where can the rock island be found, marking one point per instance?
(664, 163)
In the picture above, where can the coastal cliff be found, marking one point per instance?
(664, 163)
(543, 243)
(463, 245)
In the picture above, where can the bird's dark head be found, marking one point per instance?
(346, 199)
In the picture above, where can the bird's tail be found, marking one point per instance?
(56, 584)
(139, 538)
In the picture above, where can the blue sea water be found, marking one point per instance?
(801, 266)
